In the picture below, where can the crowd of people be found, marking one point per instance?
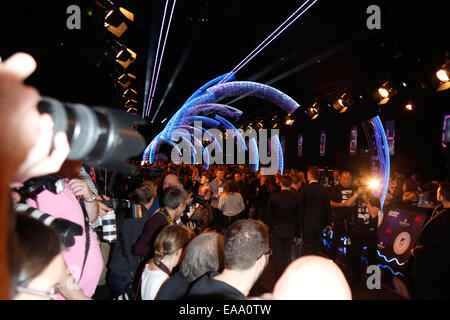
(224, 232)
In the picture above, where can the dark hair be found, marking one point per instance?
(38, 246)
(314, 172)
(411, 185)
(204, 254)
(231, 187)
(445, 190)
(286, 181)
(271, 184)
(172, 197)
(243, 244)
(170, 239)
(295, 179)
(145, 192)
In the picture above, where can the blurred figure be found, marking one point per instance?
(231, 204)
(42, 266)
(431, 259)
(246, 254)
(410, 192)
(204, 254)
(315, 211)
(169, 245)
(312, 278)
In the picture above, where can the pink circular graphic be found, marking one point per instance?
(401, 243)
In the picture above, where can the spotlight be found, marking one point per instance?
(409, 106)
(123, 55)
(342, 104)
(259, 125)
(313, 112)
(130, 103)
(125, 79)
(443, 75)
(129, 93)
(386, 91)
(115, 20)
(373, 184)
(289, 121)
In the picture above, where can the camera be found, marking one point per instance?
(32, 187)
(66, 229)
(121, 209)
(99, 136)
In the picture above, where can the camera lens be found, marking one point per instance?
(99, 136)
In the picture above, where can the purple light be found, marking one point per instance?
(153, 86)
(156, 58)
(162, 54)
(243, 62)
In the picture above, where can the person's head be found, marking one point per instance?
(169, 244)
(301, 176)
(146, 193)
(346, 179)
(246, 247)
(286, 181)
(336, 174)
(220, 173)
(171, 180)
(42, 264)
(237, 177)
(296, 183)
(312, 278)
(410, 186)
(205, 191)
(203, 254)
(174, 199)
(204, 179)
(231, 186)
(313, 173)
(443, 192)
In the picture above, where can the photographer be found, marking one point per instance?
(25, 151)
(174, 203)
(77, 204)
(364, 228)
(123, 264)
(202, 214)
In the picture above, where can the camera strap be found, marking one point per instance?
(87, 231)
(163, 267)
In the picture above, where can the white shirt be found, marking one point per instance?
(152, 281)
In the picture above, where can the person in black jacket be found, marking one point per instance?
(430, 269)
(283, 220)
(315, 212)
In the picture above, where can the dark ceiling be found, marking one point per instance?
(328, 50)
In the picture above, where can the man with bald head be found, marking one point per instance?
(312, 278)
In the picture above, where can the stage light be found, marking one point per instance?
(129, 93)
(259, 125)
(289, 121)
(409, 106)
(386, 91)
(342, 104)
(443, 75)
(313, 111)
(125, 79)
(124, 56)
(115, 20)
(373, 184)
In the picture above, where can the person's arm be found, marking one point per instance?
(221, 205)
(143, 244)
(241, 202)
(437, 245)
(81, 189)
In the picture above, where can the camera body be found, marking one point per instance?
(121, 209)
